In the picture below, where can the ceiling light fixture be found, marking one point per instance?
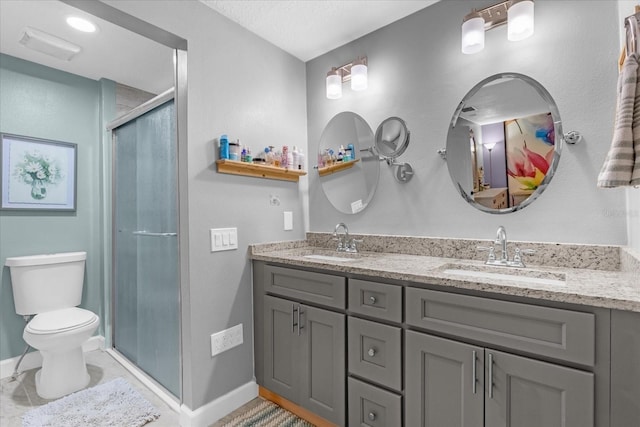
(49, 44)
(517, 14)
(356, 72)
(81, 24)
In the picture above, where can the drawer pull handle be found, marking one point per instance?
(490, 376)
(372, 416)
(293, 319)
(299, 323)
(372, 299)
(371, 352)
(473, 371)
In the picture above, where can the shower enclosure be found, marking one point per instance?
(146, 283)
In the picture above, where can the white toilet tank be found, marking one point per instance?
(47, 282)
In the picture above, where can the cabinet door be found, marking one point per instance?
(281, 359)
(530, 393)
(440, 386)
(322, 351)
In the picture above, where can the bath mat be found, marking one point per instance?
(114, 403)
(267, 414)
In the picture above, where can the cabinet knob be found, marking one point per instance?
(371, 352)
(372, 416)
(372, 299)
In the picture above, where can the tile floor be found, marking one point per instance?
(17, 397)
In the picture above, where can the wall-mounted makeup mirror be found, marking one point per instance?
(504, 143)
(392, 139)
(347, 166)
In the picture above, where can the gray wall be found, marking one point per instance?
(243, 86)
(417, 72)
(41, 102)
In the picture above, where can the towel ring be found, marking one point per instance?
(631, 25)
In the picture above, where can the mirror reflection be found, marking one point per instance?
(503, 145)
(347, 167)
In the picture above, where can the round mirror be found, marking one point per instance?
(392, 138)
(504, 143)
(347, 166)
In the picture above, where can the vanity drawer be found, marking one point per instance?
(371, 406)
(319, 288)
(377, 300)
(375, 352)
(556, 333)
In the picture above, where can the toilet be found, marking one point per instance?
(50, 287)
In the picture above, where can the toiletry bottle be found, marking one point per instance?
(234, 151)
(243, 154)
(300, 160)
(294, 158)
(284, 161)
(224, 147)
(352, 152)
(248, 157)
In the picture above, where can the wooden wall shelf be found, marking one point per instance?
(234, 167)
(328, 170)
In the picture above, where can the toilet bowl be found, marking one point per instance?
(50, 287)
(59, 336)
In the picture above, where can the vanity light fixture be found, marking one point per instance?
(355, 72)
(517, 14)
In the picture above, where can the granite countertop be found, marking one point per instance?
(612, 283)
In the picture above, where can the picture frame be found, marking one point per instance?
(37, 174)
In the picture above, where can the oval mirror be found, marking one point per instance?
(347, 167)
(504, 143)
(392, 138)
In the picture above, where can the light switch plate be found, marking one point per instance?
(224, 239)
(288, 220)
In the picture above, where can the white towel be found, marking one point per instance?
(622, 164)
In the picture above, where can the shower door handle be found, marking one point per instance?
(148, 233)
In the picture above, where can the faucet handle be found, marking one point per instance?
(491, 249)
(353, 244)
(517, 257)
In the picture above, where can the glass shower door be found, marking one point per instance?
(146, 282)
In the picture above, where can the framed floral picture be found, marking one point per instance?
(37, 174)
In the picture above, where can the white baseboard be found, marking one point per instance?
(33, 359)
(219, 408)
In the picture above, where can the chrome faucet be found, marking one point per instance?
(501, 239)
(343, 241)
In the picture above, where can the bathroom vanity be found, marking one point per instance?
(397, 339)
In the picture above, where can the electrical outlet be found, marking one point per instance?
(224, 340)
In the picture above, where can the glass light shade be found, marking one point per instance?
(490, 145)
(334, 84)
(359, 80)
(520, 20)
(473, 35)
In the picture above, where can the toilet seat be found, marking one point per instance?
(67, 319)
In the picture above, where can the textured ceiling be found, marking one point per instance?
(309, 28)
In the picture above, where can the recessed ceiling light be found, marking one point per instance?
(81, 24)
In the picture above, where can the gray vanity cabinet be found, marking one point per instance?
(442, 386)
(453, 384)
(456, 384)
(303, 347)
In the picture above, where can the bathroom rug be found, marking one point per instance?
(114, 403)
(267, 414)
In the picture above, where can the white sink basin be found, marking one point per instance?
(329, 258)
(516, 275)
